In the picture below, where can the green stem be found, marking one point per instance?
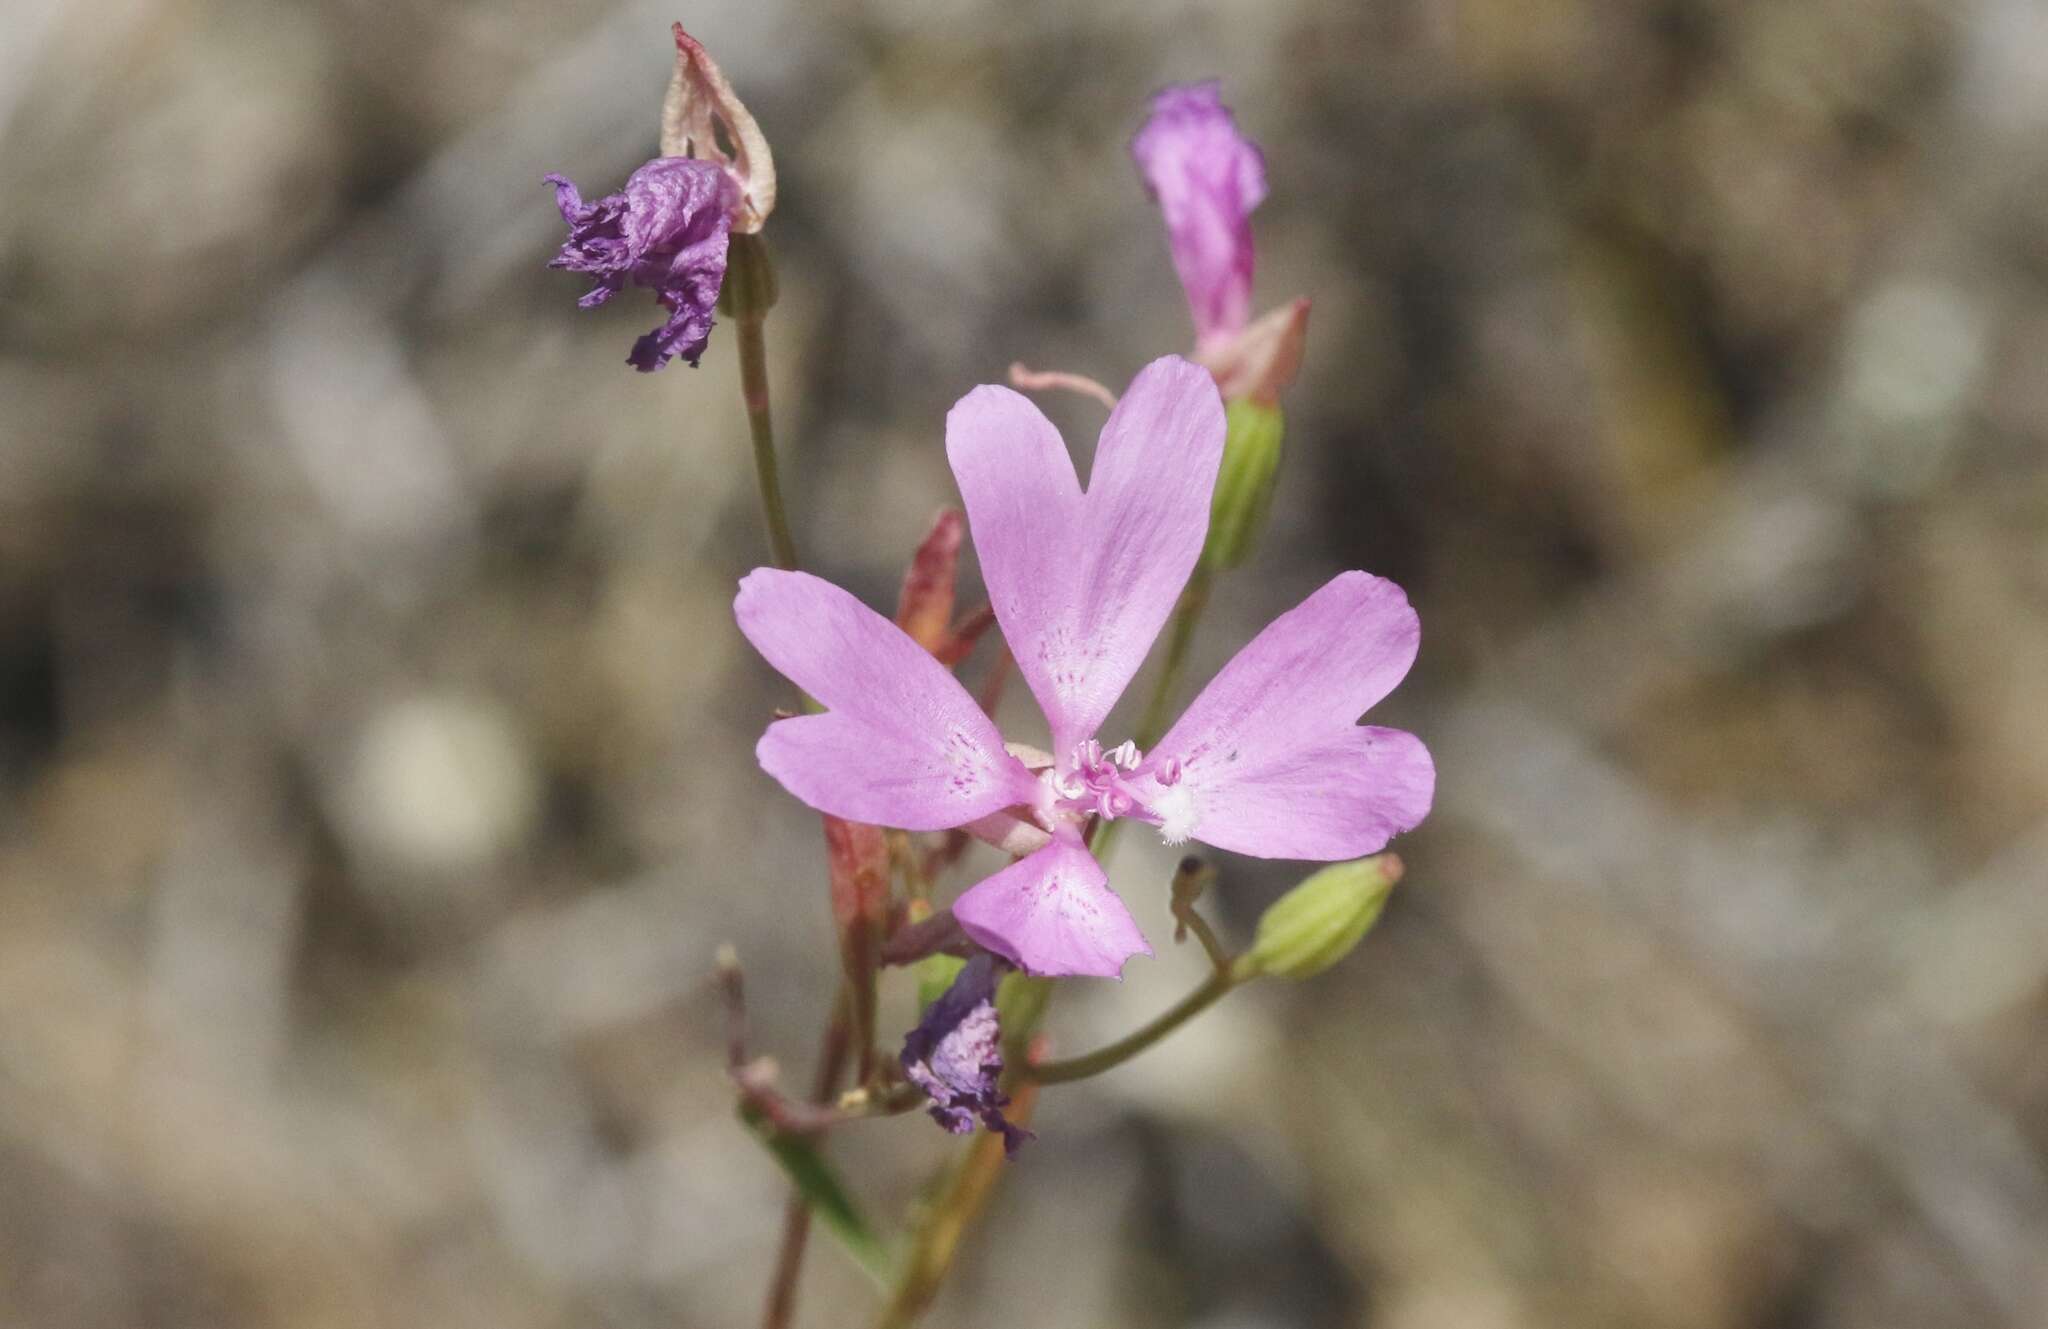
(1121, 1051)
(796, 1214)
(754, 392)
(1186, 618)
(966, 1191)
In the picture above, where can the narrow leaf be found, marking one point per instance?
(818, 1183)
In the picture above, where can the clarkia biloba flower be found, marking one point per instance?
(670, 228)
(1268, 761)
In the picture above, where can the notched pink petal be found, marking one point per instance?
(1082, 583)
(1344, 798)
(699, 104)
(1270, 761)
(902, 743)
(1053, 914)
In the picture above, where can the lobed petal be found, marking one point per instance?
(1052, 914)
(902, 743)
(1272, 761)
(1082, 582)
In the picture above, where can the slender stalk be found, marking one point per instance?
(938, 1237)
(796, 1215)
(1186, 617)
(767, 475)
(1121, 1051)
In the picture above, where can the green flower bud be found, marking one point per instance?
(1318, 922)
(1244, 484)
(935, 973)
(749, 290)
(1020, 1002)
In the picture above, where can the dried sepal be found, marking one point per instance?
(699, 105)
(1262, 361)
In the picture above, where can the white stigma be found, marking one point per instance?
(1175, 808)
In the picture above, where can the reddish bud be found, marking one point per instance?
(925, 608)
(857, 857)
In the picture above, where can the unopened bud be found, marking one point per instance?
(703, 117)
(1318, 922)
(1020, 1003)
(935, 973)
(924, 608)
(1244, 483)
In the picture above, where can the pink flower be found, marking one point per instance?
(1207, 178)
(1269, 760)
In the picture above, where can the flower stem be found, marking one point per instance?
(754, 392)
(796, 1215)
(1186, 618)
(938, 1236)
(1121, 1051)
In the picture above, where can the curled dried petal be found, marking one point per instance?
(700, 104)
(1262, 361)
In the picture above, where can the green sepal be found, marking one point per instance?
(935, 973)
(1020, 1002)
(1244, 482)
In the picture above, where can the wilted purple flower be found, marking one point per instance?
(1269, 760)
(1207, 177)
(956, 1056)
(666, 230)
(669, 227)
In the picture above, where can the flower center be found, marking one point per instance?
(1098, 782)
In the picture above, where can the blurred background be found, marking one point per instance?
(375, 742)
